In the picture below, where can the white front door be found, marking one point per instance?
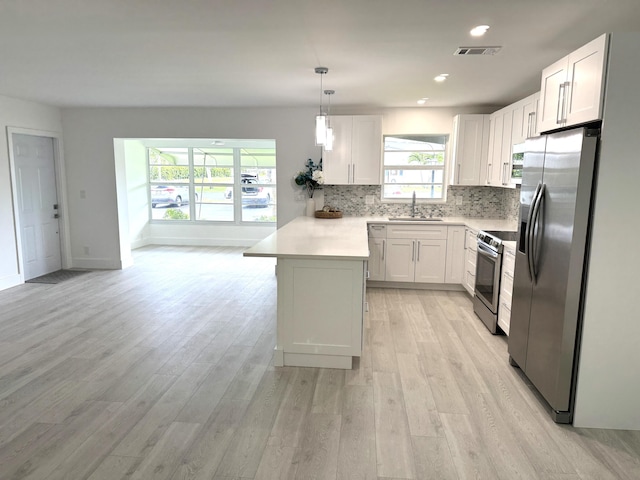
(37, 204)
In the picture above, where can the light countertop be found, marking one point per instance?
(307, 237)
(345, 238)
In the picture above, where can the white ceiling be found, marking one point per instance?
(380, 53)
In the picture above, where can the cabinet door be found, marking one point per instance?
(376, 258)
(366, 150)
(529, 125)
(504, 175)
(492, 173)
(470, 272)
(430, 261)
(586, 70)
(455, 255)
(400, 263)
(471, 247)
(336, 164)
(518, 129)
(552, 88)
(471, 141)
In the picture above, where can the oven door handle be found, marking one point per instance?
(487, 251)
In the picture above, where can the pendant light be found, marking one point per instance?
(328, 143)
(321, 119)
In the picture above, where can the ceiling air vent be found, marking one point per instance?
(477, 50)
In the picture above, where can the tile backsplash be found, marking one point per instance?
(462, 201)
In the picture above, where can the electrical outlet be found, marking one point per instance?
(86, 250)
(458, 200)
(368, 199)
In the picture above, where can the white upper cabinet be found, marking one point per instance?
(470, 148)
(494, 168)
(525, 119)
(357, 151)
(571, 90)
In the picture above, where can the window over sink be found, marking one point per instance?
(414, 163)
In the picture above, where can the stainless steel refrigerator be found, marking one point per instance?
(549, 280)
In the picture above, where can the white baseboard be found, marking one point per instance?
(9, 281)
(201, 242)
(97, 263)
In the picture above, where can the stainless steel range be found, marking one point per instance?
(488, 266)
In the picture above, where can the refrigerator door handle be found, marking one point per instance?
(535, 233)
(527, 233)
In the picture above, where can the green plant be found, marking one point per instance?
(175, 214)
(311, 178)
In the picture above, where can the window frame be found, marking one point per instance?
(193, 185)
(444, 168)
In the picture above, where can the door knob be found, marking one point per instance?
(55, 215)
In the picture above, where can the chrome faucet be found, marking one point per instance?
(413, 205)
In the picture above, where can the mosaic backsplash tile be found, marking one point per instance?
(462, 201)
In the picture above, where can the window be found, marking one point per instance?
(414, 163)
(234, 182)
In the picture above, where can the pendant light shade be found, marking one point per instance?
(328, 142)
(321, 118)
(321, 129)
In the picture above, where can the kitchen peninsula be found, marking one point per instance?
(321, 289)
(322, 273)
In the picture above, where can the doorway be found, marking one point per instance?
(37, 204)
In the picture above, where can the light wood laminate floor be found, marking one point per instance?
(163, 371)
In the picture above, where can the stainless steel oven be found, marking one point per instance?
(488, 266)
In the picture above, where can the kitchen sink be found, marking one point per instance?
(414, 219)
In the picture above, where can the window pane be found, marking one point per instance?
(170, 195)
(214, 212)
(413, 176)
(263, 176)
(415, 142)
(413, 158)
(214, 194)
(404, 191)
(213, 165)
(258, 157)
(169, 165)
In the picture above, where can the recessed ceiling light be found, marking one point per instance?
(479, 30)
(442, 77)
(423, 100)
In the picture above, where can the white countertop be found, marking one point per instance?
(345, 238)
(307, 237)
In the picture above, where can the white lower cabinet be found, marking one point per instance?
(506, 288)
(329, 334)
(455, 255)
(377, 247)
(470, 254)
(377, 252)
(416, 253)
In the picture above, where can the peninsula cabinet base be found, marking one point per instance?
(320, 312)
(282, 359)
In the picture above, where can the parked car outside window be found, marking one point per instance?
(171, 195)
(252, 195)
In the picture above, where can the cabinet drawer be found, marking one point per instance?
(504, 317)
(509, 261)
(471, 240)
(417, 232)
(506, 288)
(377, 231)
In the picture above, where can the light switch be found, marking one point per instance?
(368, 199)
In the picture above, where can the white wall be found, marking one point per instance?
(89, 134)
(608, 389)
(27, 115)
